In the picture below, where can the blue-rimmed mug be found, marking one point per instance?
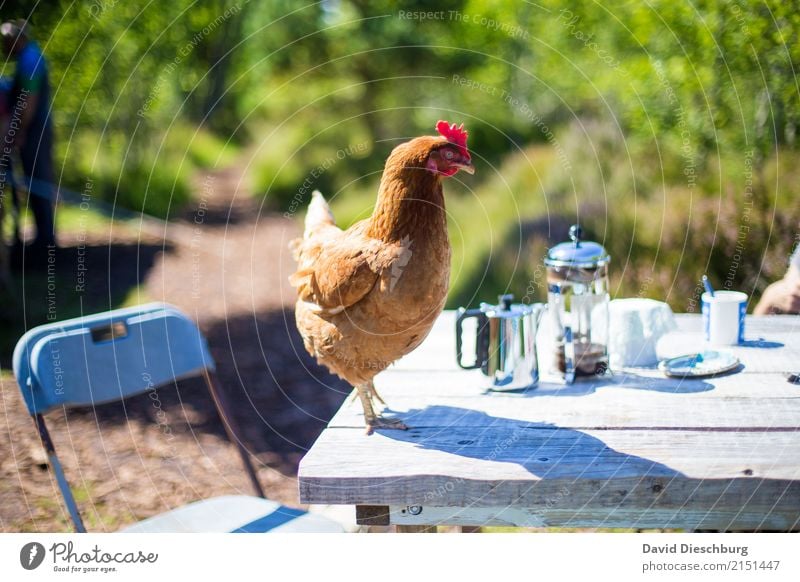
(723, 317)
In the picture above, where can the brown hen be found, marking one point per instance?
(370, 294)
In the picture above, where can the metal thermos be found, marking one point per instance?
(505, 343)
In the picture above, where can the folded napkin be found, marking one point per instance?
(635, 326)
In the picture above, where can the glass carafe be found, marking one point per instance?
(577, 294)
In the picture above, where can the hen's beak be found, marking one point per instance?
(466, 166)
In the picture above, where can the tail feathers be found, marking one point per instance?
(318, 214)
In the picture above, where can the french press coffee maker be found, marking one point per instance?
(577, 295)
(505, 342)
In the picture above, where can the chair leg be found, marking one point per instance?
(232, 430)
(55, 463)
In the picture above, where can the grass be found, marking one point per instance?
(136, 296)
(203, 148)
(73, 219)
(483, 221)
(151, 175)
(97, 515)
(296, 158)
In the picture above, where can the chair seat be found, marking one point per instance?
(237, 514)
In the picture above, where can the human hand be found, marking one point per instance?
(781, 297)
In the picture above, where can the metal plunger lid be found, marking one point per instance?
(505, 308)
(577, 253)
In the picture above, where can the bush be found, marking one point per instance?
(153, 178)
(294, 160)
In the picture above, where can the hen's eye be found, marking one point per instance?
(448, 154)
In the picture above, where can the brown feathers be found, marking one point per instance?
(369, 295)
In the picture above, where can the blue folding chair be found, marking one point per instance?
(110, 356)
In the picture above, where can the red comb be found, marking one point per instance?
(455, 134)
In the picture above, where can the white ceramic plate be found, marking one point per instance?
(709, 363)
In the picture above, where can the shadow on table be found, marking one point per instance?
(542, 449)
(760, 343)
(619, 380)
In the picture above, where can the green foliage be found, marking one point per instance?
(129, 83)
(641, 120)
(152, 181)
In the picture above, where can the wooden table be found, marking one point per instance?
(636, 450)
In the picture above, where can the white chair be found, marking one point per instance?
(110, 356)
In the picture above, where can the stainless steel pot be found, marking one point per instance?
(505, 342)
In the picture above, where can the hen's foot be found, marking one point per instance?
(383, 422)
(368, 395)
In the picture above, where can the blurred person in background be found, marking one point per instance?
(27, 129)
(6, 186)
(783, 296)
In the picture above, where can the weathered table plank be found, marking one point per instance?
(534, 454)
(746, 518)
(623, 411)
(632, 450)
(643, 399)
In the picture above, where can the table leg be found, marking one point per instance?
(415, 528)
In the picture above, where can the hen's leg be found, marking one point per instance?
(374, 393)
(373, 421)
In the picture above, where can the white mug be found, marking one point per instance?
(636, 326)
(723, 317)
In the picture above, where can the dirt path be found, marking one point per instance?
(226, 266)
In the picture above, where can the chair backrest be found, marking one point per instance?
(107, 357)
